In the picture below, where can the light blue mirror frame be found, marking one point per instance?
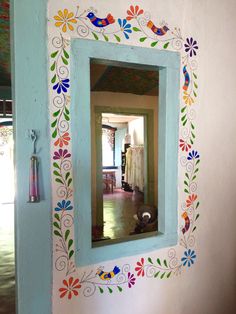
(168, 64)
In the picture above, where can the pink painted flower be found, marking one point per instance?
(61, 154)
(191, 199)
(140, 268)
(184, 145)
(71, 287)
(131, 280)
(133, 12)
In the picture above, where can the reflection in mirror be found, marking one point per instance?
(124, 118)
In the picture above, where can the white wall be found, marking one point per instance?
(208, 286)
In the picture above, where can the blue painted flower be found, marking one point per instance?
(62, 85)
(191, 46)
(193, 155)
(63, 205)
(188, 258)
(125, 28)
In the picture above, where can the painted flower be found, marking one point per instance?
(131, 280)
(191, 199)
(184, 145)
(133, 12)
(63, 140)
(63, 205)
(71, 288)
(61, 154)
(140, 268)
(65, 19)
(62, 85)
(188, 100)
(193, 155)
(124, 27)
(191, 46)
(188, 257)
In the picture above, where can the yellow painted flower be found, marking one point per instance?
(65, 19)
(188, 99)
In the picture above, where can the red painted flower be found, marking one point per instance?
(133, 12)
(191, 199)
(140, 267)
(184, 145)
(71, 287)
(63, 140)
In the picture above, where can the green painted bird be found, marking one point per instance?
(108, 275)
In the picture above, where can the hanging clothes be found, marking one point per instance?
(134, 167)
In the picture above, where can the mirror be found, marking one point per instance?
(124, 121)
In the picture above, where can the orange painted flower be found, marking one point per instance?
(65, 19)
(133, 12)
(184, 145)
(71, 287)
(63, 140)
(188, 99)
(191, 199)
(140, 267)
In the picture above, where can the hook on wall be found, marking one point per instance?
(33, 181)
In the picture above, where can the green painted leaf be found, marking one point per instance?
(95, 35)
(194, 94)
(193, 135)
(67, 110)
(142, 39)
(56, 165)
(56, 173)
(183, 109)
(54, 134)
(166, 45)
(66, 117)
(194, 228)
(192, 126)
(168, 275)
(105, 37)
(53, 66)
(70, 242)
(191, 141)
(183, 118)
(186, 174)
(66, 54)
(67, 234)
(197, 162)
(53, 55)
(69, 182)
(56, 113)
(57, 233)
(198, 203)
(119, 288)
(193, 178)
(185, 122)
(53, 80)
(56, 225)
(186, 191)
(71, 253)
(59, 180)
(57, 217)
(195, 76)
(110, 290)
(67, 175)
(186, 183)
(64, 60)
(136, 29)
(195, 85)
(156, 274)
(196, 170)
(100, 290)
(117, 38)
(163, 275)
(165, 263)
(154, 43)
(197, 217)
(54, 123)
(150, 260)
(158, 261)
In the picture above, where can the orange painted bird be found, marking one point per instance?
(100, 22)
(108, 275)
(160, 31)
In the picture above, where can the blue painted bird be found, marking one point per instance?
(160, 31)
(108, 275)
(186, 78)
(100, 22)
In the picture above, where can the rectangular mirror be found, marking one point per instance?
(124, 120)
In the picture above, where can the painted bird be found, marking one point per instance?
(108, 275)
(160, 31)
(187, 222)
(186, 78)
(100, 22)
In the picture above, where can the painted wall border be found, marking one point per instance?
(65, 24)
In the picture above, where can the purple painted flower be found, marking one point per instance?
(62, 85)
(63, 205)
(191, 46)
(131, 280)
(62, 153)
(193, 155)
(125, 28)
(188, 258)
